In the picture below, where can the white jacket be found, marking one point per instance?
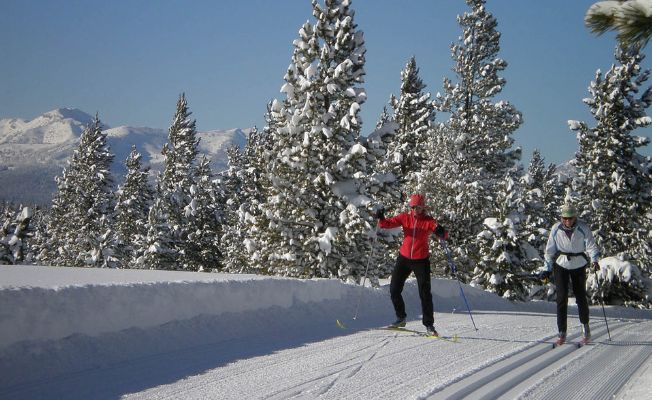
(581, 241)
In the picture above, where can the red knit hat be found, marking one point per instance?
(417, 200)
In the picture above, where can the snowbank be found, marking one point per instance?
(41, 303)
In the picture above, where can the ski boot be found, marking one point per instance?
(586, 332)
(399, 323)
(430, 331)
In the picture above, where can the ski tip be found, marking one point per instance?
(341, 325)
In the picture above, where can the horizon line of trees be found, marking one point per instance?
(299, 199)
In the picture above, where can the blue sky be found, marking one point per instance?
(129, 60)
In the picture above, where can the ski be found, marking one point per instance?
(452, 339)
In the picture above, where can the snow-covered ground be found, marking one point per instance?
(69, 333)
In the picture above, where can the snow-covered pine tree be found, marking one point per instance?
(536, 172)
(134, 199)
(384, 118)
(205, 217)
(159, 250)
(6, 256)
(15, 233)
(53, 240)
(413, 112)
(554, 191)
(341, 182)
(167, 228)
(31, 232)
(613, 179)
(472, 153)
(318, 222)
(278, 230)
(235, 233)
(536, 225)
(504, 254)
(78, 233)
(245, 189)
(542, 199)
(39, 241)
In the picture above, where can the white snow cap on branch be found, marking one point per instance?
(288, 89)
(311, 71)
(326, 238)
(26, 213)
(492, 223)
(605, 7)
(619, 8)
(355, 107)
(574, 125)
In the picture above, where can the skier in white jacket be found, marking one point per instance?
(570, 249)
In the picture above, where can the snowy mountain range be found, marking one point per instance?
(33, 152)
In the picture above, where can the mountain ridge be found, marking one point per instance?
(33, 152)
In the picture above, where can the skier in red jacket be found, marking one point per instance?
(413, 257)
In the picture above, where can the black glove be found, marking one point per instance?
(441, 232)
(544, 275)
(380, 214)
(595, 266)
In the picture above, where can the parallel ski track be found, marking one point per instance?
(563, 367)
(595, 365)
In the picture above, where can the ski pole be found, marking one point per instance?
(451, 263)
(364, 280)
(604, 313)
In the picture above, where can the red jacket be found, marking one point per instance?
(416, 233)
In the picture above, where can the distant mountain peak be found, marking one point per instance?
(68, 113)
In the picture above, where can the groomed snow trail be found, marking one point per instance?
(102, 334)
(510, 357)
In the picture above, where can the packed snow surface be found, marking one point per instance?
(105, 334)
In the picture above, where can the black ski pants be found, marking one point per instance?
(578, 280)
(403, 268)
